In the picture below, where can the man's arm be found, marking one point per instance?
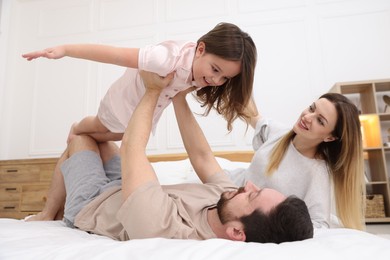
(198, 149)
(126, 57)
(136, 168)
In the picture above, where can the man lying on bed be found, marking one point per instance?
(88, 180)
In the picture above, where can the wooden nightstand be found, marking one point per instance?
(23, 186)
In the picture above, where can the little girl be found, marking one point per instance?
(220, 65)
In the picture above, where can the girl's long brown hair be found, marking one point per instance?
(229, 42)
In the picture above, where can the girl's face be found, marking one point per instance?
(211, 70)
(317, 122)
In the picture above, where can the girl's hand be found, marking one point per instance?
(50, 53)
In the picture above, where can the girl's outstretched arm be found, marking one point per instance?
(126, 57)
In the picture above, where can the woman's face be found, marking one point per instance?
(317, 122)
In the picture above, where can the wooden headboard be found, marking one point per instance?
(24, 183)
(240, 156)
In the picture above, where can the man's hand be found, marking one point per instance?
(153, 81)
(183, 94)
(50, 53)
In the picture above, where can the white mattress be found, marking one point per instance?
(53, 240)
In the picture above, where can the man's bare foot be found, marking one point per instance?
(38, 217)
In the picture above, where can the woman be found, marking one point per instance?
(323, 151)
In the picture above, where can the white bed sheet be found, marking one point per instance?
(53, 240)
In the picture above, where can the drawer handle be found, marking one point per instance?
(9, 207)
(10, 189)
(12, 170)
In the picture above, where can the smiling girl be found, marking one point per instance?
(220, 65)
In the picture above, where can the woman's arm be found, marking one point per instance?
(126, 57)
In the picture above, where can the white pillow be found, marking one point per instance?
(173, 172)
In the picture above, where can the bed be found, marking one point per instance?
(53, 240)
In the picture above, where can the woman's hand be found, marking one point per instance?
(57, 52)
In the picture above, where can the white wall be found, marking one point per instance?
(4, 31)
(304, 47)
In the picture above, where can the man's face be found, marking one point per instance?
(242, 202)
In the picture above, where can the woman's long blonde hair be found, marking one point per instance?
(344, 159)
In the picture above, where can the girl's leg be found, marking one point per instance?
(107, 137)
(93, 127)
(90, 124)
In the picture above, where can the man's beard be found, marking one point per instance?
(223, 213)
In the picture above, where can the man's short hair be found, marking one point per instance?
(288, 221)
